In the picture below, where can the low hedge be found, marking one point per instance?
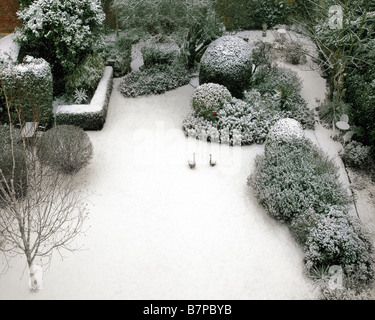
(90, 116)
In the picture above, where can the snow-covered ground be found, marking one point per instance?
(159, 230)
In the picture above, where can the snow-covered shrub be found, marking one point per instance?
(227, 61)
(154, 80)
(285, 130)
(237, 122)
(298, 184)
(61, 31)
(87, 74)
(267, 80)
(6, 163)
(158, 54)
(119, 53)
(65, 148)
(293, 53)
(292, 178)
(336, 238)
(284, 86)
(29, 90)
(209, 98)
(356, 154)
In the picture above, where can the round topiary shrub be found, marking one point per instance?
(209, 98)
(227, 61)
(65, 148)
(285, 130)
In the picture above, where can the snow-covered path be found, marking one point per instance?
(159, 230)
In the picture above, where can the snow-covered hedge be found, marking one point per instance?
(209, 98)
(285, 130)
(29, 86)
(227, 61)
(88, 116)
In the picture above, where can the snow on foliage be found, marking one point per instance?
(227, 61)
(285, 130)
(29, 86)
(209, 98)
(68, 25)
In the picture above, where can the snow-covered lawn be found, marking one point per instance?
(159, 230)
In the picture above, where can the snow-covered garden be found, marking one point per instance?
(179, 161)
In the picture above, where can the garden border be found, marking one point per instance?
(88, 116)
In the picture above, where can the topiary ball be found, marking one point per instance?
(65, 148)
(285, 130)
(227, 61)
(209, 98)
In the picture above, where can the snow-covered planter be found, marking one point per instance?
(285, 130)
(209, 98)
(29, 87)
(227, 61)
(88, 116)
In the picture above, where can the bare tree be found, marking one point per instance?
(47, 214)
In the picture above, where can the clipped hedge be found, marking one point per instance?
(227, 61)
(29, 89)
(89, 116)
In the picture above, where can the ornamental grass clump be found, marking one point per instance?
(65, 148)
(227, 61)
